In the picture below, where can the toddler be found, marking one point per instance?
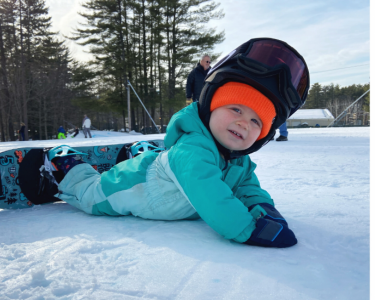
(207, 171)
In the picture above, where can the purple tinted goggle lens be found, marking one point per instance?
(272, 53)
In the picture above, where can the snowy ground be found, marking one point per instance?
(103, 134)
(106, 137)
(319, 180)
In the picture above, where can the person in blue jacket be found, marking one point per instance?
(61, 133)
(207, 171)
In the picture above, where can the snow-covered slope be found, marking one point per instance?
(103, 134)
(98, 137)
(319, 181)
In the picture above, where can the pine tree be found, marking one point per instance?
(145, 40)
(7, 51)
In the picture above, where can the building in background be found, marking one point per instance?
(310, 118)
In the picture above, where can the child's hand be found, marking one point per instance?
(272, 213)
(271, 230)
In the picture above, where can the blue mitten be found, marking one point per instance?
(272, 213)
(271, 228)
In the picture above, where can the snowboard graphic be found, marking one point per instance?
(20, 172)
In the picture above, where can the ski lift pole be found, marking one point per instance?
(95, 128)
(129, 120)
(348, 108)
(70, 124)
(143, 106)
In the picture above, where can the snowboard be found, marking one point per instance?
(20, 175)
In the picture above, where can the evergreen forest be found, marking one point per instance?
(153, 44)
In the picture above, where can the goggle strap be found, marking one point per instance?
(293, 102)
(254, 66)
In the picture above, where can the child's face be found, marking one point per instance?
(235, 126)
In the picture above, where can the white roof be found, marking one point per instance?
(312, 114)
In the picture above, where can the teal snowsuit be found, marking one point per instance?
(187, 181)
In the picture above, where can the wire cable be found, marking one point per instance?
(339, 69)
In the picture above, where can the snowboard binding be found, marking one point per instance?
(140, 147)
(58, 161)
(55, 154)
(43, 170)
(131, 150)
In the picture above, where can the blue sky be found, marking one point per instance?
(329, 34)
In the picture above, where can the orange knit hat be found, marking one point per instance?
(240, 93)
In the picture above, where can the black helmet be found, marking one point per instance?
(272, 67)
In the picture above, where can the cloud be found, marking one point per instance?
(65, 19)
(329, 34)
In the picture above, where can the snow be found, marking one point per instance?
(303, 114)
(319, 181)
(104, 134)
(106, 137)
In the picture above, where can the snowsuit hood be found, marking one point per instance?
(186, 121)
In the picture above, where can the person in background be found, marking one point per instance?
(195, 81)
(283, 133)
(22, 132)
(76, 131)
(61, 133)
(86, 124)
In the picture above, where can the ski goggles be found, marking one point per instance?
(266, 56)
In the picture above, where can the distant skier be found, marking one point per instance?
(61, 133)
(86, 124)
(76, 131)
(207, 172)
(22, 132)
